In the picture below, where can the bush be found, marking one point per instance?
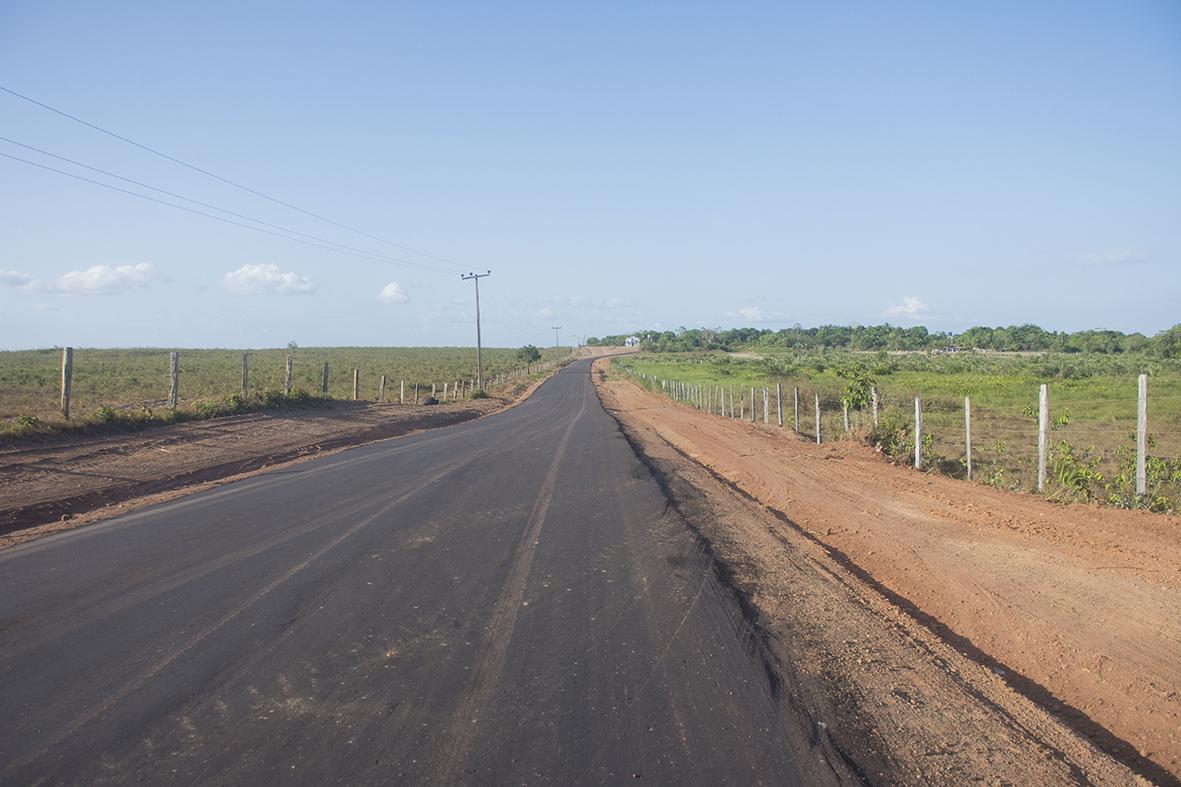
(478, 393)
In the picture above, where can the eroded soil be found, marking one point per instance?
(960, 631)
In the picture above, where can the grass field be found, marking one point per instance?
(132, 379)
(1092, 402)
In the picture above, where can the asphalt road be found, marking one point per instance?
(509, 600)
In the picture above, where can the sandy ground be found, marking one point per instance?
(1076, 610)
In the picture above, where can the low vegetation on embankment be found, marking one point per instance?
(128, 388)
(1092, 410)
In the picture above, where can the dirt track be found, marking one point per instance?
(1076, 609)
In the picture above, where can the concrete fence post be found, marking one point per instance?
(1043, 418)
(401, 392)
(766, 406)
(816, 400)
(245, 375)
(287, 375)
(381, 390)
(968, 436)
(356, 384)
(1142, 437)
(324, 382)
(918, 433)
(873, 397)
(779, 403)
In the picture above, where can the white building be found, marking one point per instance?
(632, 341)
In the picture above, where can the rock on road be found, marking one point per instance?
(507, 600)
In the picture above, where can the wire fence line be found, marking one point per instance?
(97, 382)
(1091, 449)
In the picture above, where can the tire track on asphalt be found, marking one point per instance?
(464, 724)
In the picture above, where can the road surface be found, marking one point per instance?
(509, 600)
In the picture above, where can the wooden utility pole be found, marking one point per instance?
(67, 379)
(475, 277)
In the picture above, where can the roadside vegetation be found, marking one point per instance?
(128, 388)
(1092, 400)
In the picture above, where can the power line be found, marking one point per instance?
(225, 180)
(362, 255)
(212, 207)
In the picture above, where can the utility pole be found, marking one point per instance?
(556, 329)
(479, 359)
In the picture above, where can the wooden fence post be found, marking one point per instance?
(381, 390)
(817, 404)
(324, 383)
(766, 406)
(288, 375)
(753, 415)
(845, 406)
(918, 433)
(1043, 416)
(797, 421)
(67, 379)
(968, 435)
(731, 400)
(245, 376)
(779, 403)
(444, 392)
(433, 391)
(401, 392)
(873, 395)
(1142, 437)
(416, 393)
(173, 379)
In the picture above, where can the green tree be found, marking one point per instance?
(528, 354)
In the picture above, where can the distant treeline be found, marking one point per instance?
(1014, 338)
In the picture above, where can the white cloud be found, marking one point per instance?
(751, 313)
(393, 293)
(260, 279)
(105, 279)
(545, 311)
(911, 309)
(14, 278)
(1117, 257)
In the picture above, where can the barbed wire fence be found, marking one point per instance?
(1106, 449)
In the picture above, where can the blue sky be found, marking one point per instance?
(617, 165)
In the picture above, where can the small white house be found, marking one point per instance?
(632, 341)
